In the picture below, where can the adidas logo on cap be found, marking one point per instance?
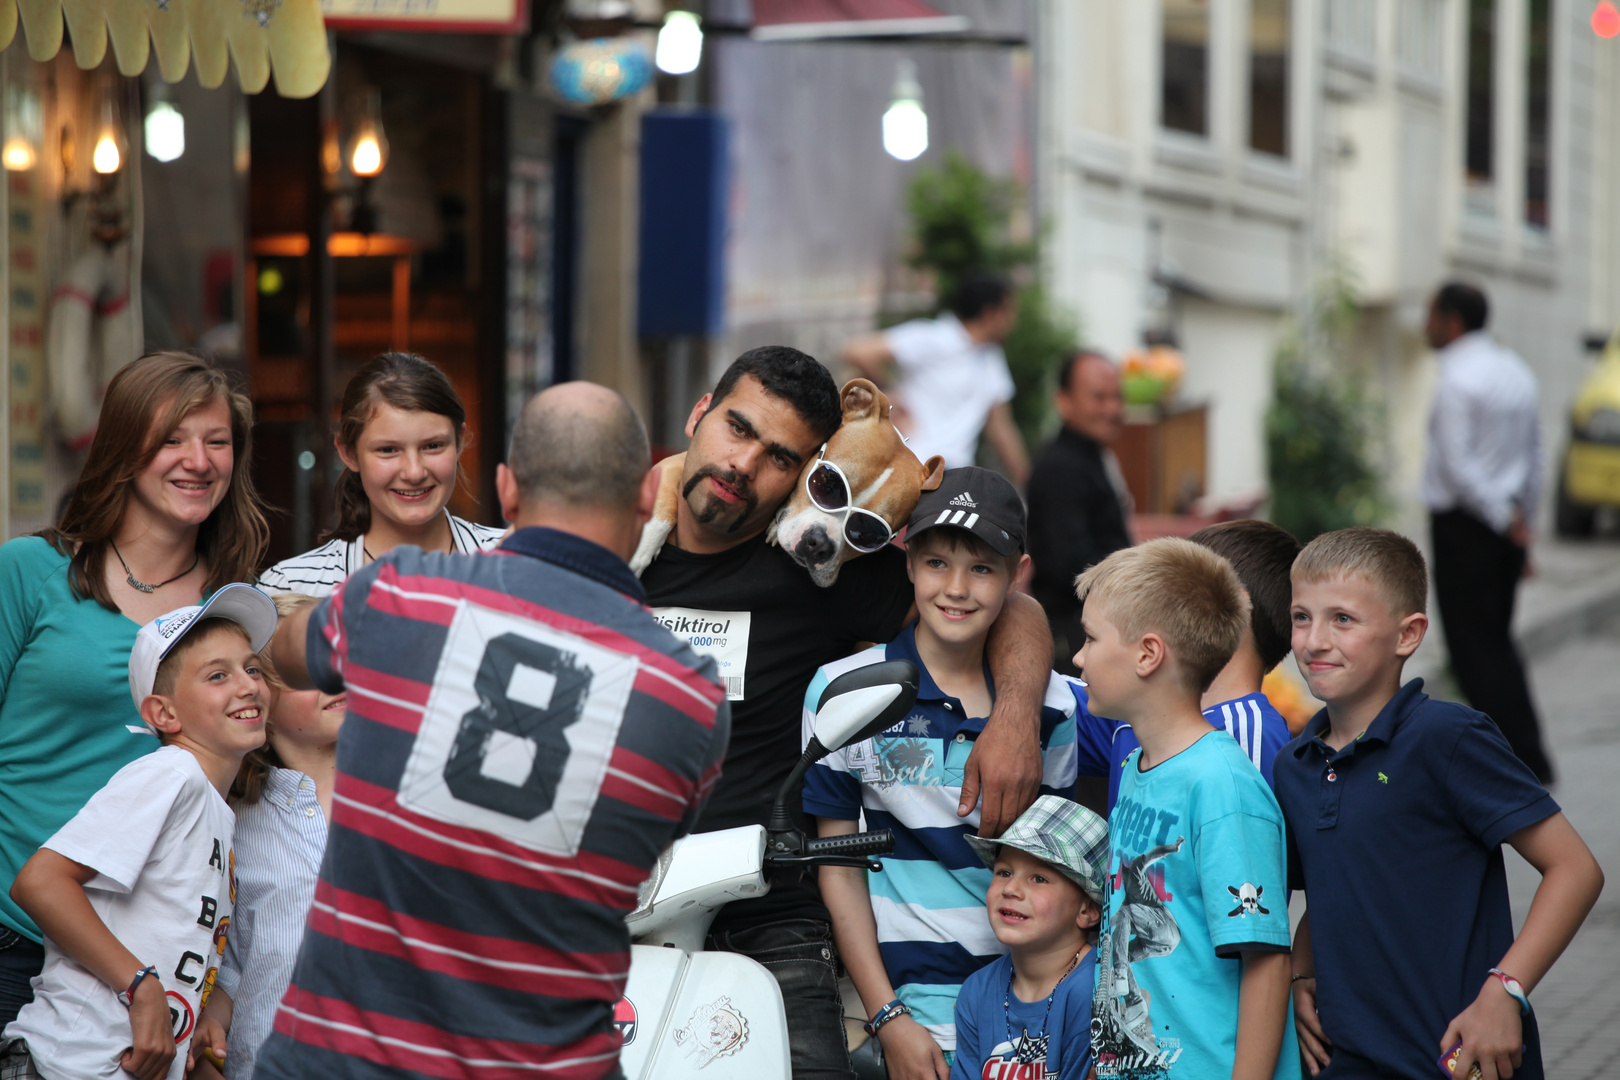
(964, 499)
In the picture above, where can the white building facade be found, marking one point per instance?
(1203, 163)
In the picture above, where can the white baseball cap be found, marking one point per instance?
(247, 606)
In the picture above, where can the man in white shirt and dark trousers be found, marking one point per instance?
(948, 377)
(1481, 483)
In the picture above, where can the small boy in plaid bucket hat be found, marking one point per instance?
(1032, 1007)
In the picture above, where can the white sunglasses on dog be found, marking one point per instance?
(829, 492)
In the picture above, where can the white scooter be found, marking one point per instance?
(719, 1015)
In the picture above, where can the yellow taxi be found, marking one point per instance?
(1590, 477)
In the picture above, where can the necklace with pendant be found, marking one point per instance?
(1028, 1047)
(129, 575)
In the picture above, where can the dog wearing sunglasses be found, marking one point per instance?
(851, 498)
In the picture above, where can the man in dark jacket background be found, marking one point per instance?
(1076, 503)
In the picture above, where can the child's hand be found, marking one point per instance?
(207, 1044)
(910, 1053)
(1315, 1048)
(152, 1048)
(1491, 1031)
(204, 1071)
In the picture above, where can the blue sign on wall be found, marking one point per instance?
(682, 282)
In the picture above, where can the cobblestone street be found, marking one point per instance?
(1577, 686)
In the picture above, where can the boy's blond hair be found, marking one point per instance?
(1181, 591)
(1388, 560)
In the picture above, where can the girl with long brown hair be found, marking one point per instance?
(163, 514)
(400, 437)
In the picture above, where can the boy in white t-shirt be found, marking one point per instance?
(134, 893)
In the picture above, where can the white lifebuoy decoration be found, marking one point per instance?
(92, 333)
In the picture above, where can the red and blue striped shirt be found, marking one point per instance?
(522, 742)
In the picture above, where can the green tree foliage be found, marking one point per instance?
(961, 220)
(1320, 427)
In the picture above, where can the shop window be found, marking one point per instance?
(1538, 113)
(1184, 79)
(1270, 22)
(1480, 148)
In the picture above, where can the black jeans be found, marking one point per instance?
(20, 960)
(801, 955)
(1476, 577)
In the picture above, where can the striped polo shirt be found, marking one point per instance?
(929, 899)
(319, 570)
(522, 741)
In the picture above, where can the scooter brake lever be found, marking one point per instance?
(854, 862)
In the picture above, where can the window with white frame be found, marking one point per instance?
(1184, 66)
(1479, 152)
(1537, 111)
(1270, 31)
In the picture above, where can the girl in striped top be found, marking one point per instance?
(400, 438)
(283, 801)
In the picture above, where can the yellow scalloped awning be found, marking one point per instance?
(286, 38)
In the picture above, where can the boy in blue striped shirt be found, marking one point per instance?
(1262, 554)
(910, 935)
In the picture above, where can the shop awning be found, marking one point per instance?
(284, 38)
(784, 20)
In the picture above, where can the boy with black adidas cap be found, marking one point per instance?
(910, 935)
(134, 893)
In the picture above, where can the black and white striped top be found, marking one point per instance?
(319, 571)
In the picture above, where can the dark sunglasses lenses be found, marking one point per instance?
(827, 488)
(866, 532)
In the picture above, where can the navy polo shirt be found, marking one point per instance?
(1396, 840)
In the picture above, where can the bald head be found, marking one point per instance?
(579, 444)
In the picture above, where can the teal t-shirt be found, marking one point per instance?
(1197, 876)
(67, 723)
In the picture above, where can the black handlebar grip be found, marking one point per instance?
(852, 844)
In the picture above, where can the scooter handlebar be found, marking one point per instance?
(857, 845)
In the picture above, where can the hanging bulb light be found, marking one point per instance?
(905, 125)
(165, 131)
(1606, 20)
(369, 151)
(23, 126)
(680, 43)
(108, 155)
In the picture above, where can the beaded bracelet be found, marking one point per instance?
(889, 1012)
(1514, 989)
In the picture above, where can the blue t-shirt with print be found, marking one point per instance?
(1102, 745)
(1196, 878)
(999, 1037)
(928, 901)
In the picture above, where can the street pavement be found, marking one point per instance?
(1577, 687)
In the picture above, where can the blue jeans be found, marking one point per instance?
(20, 960)
(801, 955)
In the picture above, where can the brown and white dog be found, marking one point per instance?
(884, 478)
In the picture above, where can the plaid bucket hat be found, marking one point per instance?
(1061, 832)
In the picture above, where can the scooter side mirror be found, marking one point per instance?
(858, 704)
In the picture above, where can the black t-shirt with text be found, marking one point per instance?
(769, 628)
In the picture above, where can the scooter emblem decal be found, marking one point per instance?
(714, 1031)
(624, 1018)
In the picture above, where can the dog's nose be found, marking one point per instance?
(816, 547)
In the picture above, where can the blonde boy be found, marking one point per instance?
(134, 893)
(1398, 807)
(1196, 880)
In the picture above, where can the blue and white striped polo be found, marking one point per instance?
(929, 899)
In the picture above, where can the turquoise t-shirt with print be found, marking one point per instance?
(1197, 877)
(67, 722)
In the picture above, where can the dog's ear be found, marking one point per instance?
(936, 472)
(861, 399)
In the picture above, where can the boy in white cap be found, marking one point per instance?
(134, 893)
(1028, 1014)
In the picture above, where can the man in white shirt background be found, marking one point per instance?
(948, 377)
(1482, 483)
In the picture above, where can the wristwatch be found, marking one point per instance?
(126, 997)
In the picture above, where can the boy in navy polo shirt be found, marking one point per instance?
(1192, 971)
(910, 935)
(1262, 554)
(1397, 808)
